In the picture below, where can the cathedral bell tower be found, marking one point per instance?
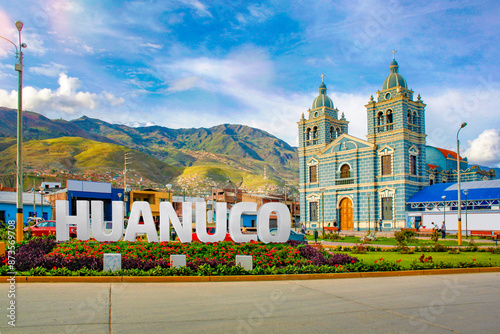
(396, 125)
(322, 125)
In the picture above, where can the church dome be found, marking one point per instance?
(322, 100)
(394, 79)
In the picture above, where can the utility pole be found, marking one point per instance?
(125, 170)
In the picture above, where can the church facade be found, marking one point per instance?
(356, 182)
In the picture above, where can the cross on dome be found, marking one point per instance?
(393, 54)
(322, 77)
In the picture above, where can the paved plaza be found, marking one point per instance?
(465, 303)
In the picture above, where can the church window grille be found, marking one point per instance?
(380, 122)
(313, 173)
(389, 120)
(386, 164)
(389, 116)
(315, 132)
(413, 165)
(313, 211)
(338, 132)
(380, 119)
(387, 208)
(345, 171)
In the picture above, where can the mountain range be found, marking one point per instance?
(225, 155)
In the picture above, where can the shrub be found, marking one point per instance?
(31, 254)
(472, 247)
(439, 248)
(435, 235)
(359, 249)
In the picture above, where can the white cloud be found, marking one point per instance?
(50, 70)
(66, 99)
(183, 84)
(485, 149)
(200, 8)
(256, 13)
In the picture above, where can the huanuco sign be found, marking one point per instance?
(91, 218)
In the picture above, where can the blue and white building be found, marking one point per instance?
(357, 182)
(34, 205)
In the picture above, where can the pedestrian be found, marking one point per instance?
(380, 224)
(303, 228)
(435, 229)
(443, 230)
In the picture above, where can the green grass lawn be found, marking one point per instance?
(418, 242)
(406, 259)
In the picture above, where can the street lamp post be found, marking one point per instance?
(169, 186)
(444, 208)
(41, 201)
(323, 211)
(466, 191)
(368, 212)
(459, 202)
(19, 183)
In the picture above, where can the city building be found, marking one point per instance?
(356, 182)
(480, 201)
(33, 206)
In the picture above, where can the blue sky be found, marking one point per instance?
(199, 63)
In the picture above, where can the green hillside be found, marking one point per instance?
(78, 155)
(220, 153)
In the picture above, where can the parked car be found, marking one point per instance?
(293, 235)
(34, 220)
(46, 227)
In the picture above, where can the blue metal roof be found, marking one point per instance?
(478, 190)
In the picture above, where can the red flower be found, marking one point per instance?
(54, 268)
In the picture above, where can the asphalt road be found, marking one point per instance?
(466, 303)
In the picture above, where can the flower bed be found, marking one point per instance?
(42, 256)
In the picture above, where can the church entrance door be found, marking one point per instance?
(346, 214)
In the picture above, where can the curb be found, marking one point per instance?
(242, 278)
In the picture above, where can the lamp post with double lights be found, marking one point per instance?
(19, 183)
(463, 125)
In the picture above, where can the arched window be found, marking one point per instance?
(380, 118)
(332, 133)
(315, 132)
(414, 118)
(338, 132)
(345, 171)
(389, 116)
(410, 121)
(308, 134)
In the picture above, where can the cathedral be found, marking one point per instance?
(357, 182)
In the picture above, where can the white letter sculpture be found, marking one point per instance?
(234, 221)
(220, 222)
(168, 215)
(134, 227)
(63, 220)
(283, 217)
(97, 210)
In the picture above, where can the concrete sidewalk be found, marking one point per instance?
(465, 303)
